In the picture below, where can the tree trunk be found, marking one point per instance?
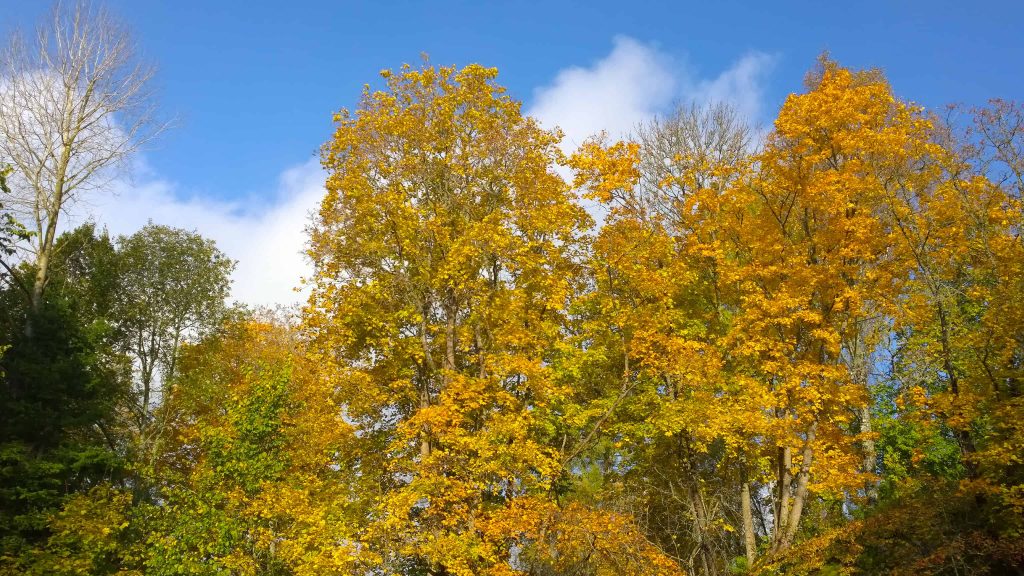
(800, 495)
(428, 373)
(859, 362)
(701, 517)
(698, 509)
(52, 211)
(749, 537)
(425, 433)
(963, 435)
(870, 455)
(785, 479)
(42, 276)
(35, 303)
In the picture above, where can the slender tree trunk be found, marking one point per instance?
(172, 364)
(963, 436)
(39, 282)
(859, 360)
(482, 373)
(425, 433)
(870, 455)
(52, 211)
(695, 498)
(449, 338)
(785, 479)
(36, 298)
(749, 537)
(701, 517)
(800, 495)
(430, 370)
(42, 276)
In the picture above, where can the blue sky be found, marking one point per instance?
(252, 84)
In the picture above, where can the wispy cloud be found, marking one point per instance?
(630, 84)
(742, 85)
(635, 82)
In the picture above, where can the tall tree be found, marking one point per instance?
(785, 264)
(815, 266)
(447, 251)
(172, 288)
(75, 103)
(949, 394)
(59, 392)
(655, 321)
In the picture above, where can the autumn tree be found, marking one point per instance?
(959, 341)
(252, 473)
(949, 387)
(815, 268)
(654, 324)
(786, 263)
(801, 354)
(447, 251)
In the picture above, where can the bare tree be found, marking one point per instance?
(692, 140)
(75, 103)
(692, 493)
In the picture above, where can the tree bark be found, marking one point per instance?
(784, 481)
(45, 247)
(749, 537)
(429, 372)
(870, 455)
(800, 495)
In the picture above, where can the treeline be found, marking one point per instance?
(714, 351)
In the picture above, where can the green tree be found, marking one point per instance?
(60, 394)
(171, 287)
(255, 475)
(11, 231)
(108, 334)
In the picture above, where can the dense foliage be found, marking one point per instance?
(784, 353)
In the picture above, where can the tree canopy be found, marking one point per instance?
(790, 351)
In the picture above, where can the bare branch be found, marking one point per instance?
(75, 104)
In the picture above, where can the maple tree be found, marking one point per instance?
(946, 394)
(813, 268)
(447, 251)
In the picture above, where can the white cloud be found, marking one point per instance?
(635, 82)
(265, 236)
(631, 84)
(740, 85)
